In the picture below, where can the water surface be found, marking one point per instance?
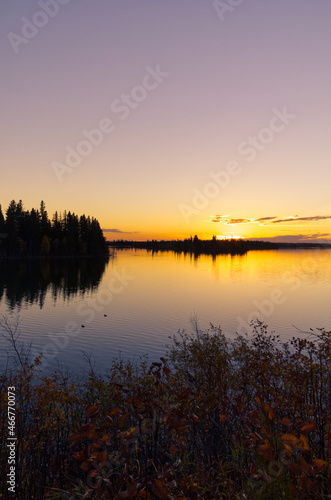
(133, 303)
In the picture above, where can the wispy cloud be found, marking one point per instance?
(119, 231)
(226, 219)
(263, 219)
(302, 219)
(322, 238)
(317, 235)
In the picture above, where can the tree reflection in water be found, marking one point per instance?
(27, 282)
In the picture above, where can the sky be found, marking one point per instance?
(166, 119)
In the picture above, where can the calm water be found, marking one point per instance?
(133, 303)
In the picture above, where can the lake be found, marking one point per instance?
(130, 305)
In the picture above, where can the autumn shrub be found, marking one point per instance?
(47, 410)
(247, 418)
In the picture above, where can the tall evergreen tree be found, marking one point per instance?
(32, 233)
(45, 224)
(2, 221)
(11, 228)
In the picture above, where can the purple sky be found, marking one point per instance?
(223, 84)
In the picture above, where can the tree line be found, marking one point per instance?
(197, 246)
(32, 233)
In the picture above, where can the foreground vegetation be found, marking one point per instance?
(247, 418)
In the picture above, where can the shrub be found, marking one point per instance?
(247, 418)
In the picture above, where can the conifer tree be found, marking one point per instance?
(2, 221)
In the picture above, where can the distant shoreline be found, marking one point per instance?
(212, 247)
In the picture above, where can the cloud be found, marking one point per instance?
(223, 219)
(322, 238)
(262, 219)
(218, 218)
(296, 219)
(318, 235)
(226, 219)
(238, 221)
(119, 231)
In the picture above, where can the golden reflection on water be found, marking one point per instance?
(283, 287)
(287, 289)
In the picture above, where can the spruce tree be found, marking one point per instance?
(2, 221)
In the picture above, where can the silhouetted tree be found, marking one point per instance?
(45, 224)
(32, 233)
(11, 226)
(2, 221)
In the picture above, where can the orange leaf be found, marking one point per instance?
(123, 421)
(253, 414)
(286, 421)
(271, 414)
(79, 455)
(303, 444)
(309, 427)
(93, 473)
(304, 465)
(85, 466)
(75, 437)
(319, 464)
(130, 433)
(265, 451)
(160, 490)
(166, 370)
(114, 412)
(290, 439)
(224, 417)
(91, 411)
(288, 450)
(86, 428)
